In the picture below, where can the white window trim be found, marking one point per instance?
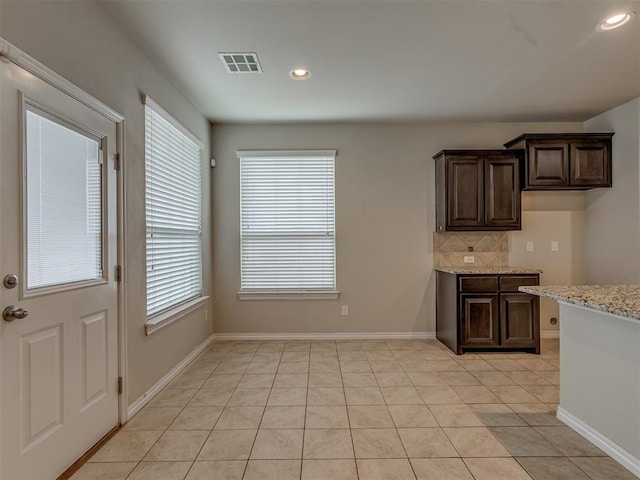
(290, 294)
(286, 153)
(167, 317)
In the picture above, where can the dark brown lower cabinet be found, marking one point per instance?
(519, 320)
(479, 320)
(486, 312)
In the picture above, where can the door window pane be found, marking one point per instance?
(64, 203)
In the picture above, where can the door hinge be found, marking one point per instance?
(120, 388)
(118, 273)
(116, 161)
(101, 149)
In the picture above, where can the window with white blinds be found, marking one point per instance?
(173, 178)
(287, 221)
(63, 197)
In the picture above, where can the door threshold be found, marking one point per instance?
(75, 466)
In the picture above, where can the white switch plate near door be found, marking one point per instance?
(554, 245)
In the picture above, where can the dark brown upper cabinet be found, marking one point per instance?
(565, 161)
(478, 190)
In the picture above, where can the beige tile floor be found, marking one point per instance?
(348, 410)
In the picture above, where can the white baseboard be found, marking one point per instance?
(147, 396)
(614, 450)
(549, 333)
(219, 337)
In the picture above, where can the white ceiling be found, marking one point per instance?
(393, 60)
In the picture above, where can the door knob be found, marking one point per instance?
(12, 312)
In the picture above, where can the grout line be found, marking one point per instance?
(346, 407)
(265, 405)
(217, 419)
(306, 404)
(394, 422)
(226, 403)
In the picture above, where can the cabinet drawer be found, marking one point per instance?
(479, 284)
(511, 284)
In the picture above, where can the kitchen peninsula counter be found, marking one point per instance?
(622, 300)
(495, 270)
(600, 365)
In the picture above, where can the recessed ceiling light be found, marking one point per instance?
(299, 73)
(615, 21)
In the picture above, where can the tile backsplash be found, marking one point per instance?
(489, 248)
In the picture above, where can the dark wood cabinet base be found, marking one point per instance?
(487, 313)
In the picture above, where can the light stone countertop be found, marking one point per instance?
(495, 270)
(623, 300)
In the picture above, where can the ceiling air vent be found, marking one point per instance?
(240, 62)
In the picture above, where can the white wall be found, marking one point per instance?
(612, 240)
(385, 216)
(80, 42)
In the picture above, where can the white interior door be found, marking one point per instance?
(58, 236)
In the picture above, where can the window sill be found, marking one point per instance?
(289, 295)
(154, 324)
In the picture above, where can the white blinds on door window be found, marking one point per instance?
(173, 172)
(287, 217)
(63, 202)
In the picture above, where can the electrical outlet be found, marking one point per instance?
(554, 245)
(344, 310)
(530, 247)
(469, 259)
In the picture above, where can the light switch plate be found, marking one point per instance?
(530, 247)
(554, 245)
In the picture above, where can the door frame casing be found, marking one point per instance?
(10, 53)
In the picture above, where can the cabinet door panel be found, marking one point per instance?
(519, 320)
(465, 193)
(590, 165)
(502, 192)
(479, 320)
(548, 165)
